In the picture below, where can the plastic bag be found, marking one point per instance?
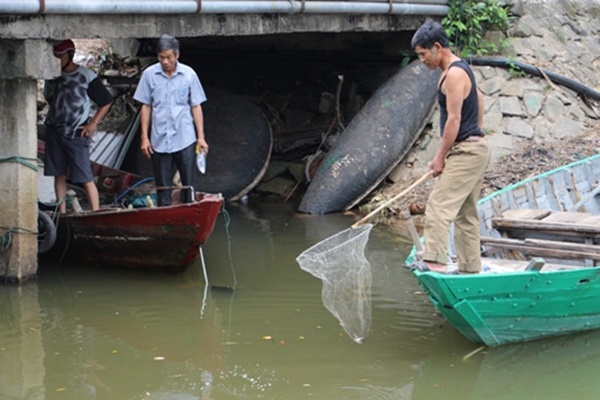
(201, 160)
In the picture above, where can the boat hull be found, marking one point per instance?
(163, 238)
(515, 305)
(496, 309)
(374, 142)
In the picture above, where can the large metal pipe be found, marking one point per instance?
(418, 7)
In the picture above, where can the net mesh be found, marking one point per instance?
(340, 262)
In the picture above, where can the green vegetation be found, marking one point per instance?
(467, 22)
(513, 69)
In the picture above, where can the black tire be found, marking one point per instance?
(46, 233)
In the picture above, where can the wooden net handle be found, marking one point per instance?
(393, 199)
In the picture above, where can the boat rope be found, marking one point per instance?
(227, 219)
(26, 161)
(6, 239)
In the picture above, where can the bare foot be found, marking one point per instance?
(436, 267)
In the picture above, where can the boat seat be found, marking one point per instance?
(545, 233)
(547, 248)
(559, 225)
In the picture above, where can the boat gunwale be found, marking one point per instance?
(535, 178)
(207, 200)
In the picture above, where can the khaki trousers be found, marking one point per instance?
(454, 199)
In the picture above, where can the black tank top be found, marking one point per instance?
(470, 108)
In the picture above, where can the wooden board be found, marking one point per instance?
(573, 218)
(526, 214)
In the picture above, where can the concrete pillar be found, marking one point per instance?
(24, 63)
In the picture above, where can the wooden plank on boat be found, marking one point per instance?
(547, 248)
(526, 213)
(568, 246)
(573, 218)
(558, 228)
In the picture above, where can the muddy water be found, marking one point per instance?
(261, 331)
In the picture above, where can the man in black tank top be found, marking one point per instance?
(460, 161)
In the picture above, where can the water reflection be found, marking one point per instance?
(22, 354)
(85, 333)
(88, 334)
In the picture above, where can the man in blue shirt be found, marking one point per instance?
(171, 95)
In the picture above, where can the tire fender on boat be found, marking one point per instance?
(46, 232)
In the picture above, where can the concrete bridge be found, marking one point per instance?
(28, 28)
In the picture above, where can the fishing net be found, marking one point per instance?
(340, 262)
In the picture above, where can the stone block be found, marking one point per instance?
(533, 102)
(484, 72)
(492, 86)
(554, 108)
(526, 26)
(518, 127)
(512, 88)
(521, 47)
(511, 107)
(492, 122)
(566, 127)
(490, 104)
(576, 112)
(501, 145)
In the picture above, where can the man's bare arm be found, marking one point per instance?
(480, 110)
(145, 145)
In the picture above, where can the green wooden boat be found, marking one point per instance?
(541, 249)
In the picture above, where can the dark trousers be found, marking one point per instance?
(164, 165)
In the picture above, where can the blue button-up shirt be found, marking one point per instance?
(171, 99)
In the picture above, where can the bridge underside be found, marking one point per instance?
(194, 25)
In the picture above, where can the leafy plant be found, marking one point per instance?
(467, 22)
(513, 69)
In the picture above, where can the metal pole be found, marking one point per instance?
(419, 7)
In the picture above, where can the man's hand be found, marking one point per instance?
(88, 130)
(437, 165)
(146, 147)
(201, 145)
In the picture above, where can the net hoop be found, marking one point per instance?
(333, 243)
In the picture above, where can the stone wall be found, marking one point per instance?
(560, 36)
(556, 35)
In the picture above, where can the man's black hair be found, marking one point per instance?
(428, 34)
